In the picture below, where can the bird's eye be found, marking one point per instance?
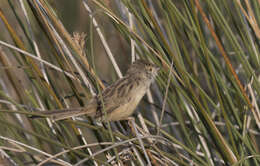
(150, 68)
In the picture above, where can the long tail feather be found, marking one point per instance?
(61, 114)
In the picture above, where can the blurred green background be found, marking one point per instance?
(202, 108)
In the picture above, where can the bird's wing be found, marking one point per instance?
(113, 96)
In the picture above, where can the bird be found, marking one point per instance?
(116, 102)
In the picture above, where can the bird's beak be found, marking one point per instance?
(157, 68)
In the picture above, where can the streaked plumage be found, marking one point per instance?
(119, 99)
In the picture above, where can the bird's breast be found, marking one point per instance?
(125, 110)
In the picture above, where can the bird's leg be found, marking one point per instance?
(131, 123)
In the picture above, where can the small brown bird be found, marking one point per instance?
(119, 100)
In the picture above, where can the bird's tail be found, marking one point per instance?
(61, 114)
